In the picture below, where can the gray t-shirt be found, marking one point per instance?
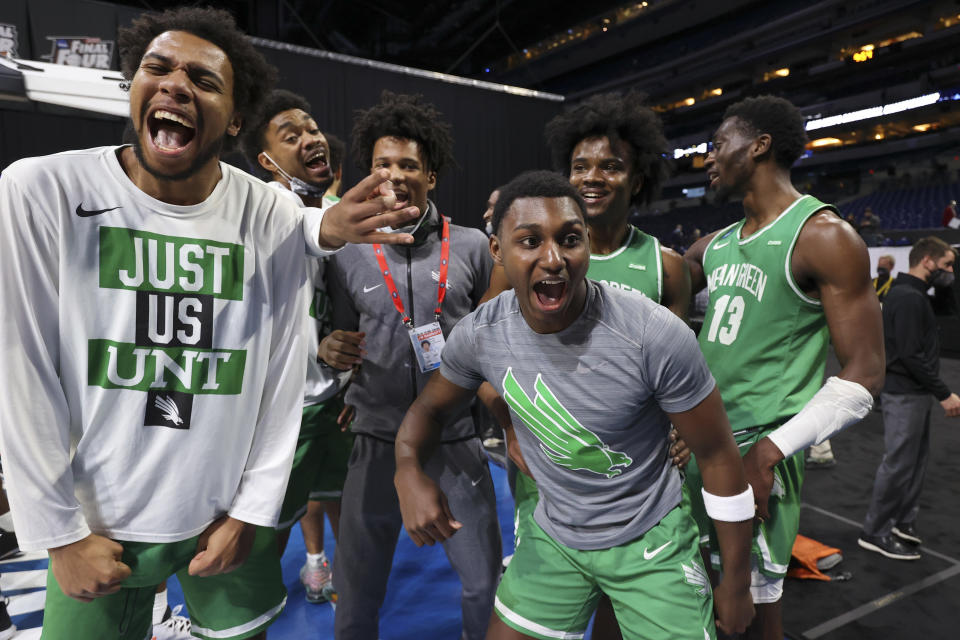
(588, 406)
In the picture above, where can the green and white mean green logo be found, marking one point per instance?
(565, 441)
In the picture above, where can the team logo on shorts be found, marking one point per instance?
(696, 576)
(565, 441)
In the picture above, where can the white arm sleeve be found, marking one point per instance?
(265, 475)
(34, 416)
(839, 404)
(312, 217)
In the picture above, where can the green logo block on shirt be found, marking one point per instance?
(121, 365)
(565, 441)
(132, 259)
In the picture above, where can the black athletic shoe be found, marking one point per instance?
(907, 533)
(6, 626)
(889, 547)
(9, 546)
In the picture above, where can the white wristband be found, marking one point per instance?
(730, 508)
(839, 404)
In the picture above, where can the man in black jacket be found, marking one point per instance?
(913, 374)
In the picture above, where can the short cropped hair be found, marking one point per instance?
(776, 117)
(929, 247)
(408, 117)
(618, 118)
(255, 138)
(535, 184)
(253, 76)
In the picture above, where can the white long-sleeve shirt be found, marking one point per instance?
(152, 357)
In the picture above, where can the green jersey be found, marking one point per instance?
(764, 339)
(636, 266)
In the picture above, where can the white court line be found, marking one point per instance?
(11, 581)
(26, 556)
(885, 600)
(879, 603)
(27, 603)
(859, 525)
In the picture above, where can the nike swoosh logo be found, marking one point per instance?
(650, 555)
(367, 289)
(83, 213)
(720, 246)
(477, 481)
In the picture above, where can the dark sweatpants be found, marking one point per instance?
(899, 480)
(370, 522)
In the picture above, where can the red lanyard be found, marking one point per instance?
(441, 287)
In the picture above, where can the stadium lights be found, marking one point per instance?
(825, 142)
(874, 112)
(689, 151)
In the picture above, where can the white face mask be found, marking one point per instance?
(297, 185)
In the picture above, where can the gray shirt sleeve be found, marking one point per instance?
(675, 369)
(459, 360)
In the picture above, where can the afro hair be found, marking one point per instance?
(253, 76)
(618, 118)
(535, 184)
(776, 117)
(407, 117)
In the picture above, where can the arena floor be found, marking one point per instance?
(882, 598)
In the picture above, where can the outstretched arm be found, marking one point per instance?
(707, 432)
(368, 206)
(830, 261)
(426, 515)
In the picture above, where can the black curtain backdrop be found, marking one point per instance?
(497, 134)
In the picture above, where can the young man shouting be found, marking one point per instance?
(593, 377)
(153, 350)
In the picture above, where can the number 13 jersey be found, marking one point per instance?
(763, 338)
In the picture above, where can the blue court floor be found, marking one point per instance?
(423, 597)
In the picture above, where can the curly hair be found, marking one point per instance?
(337, 149)
(618, 118)
(407, 117)
(280, 100)
(535, 184)
(253, 76)
(776, 117)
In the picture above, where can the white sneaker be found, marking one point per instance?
(176, 627)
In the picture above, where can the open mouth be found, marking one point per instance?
(592, 196)
(713, 178)
(403, 198)
(316, 164)
(169, 131)
(550, 293)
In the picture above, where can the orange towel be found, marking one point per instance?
(806, 553)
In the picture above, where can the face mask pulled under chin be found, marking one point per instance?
(943, 278)
(298, 186)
